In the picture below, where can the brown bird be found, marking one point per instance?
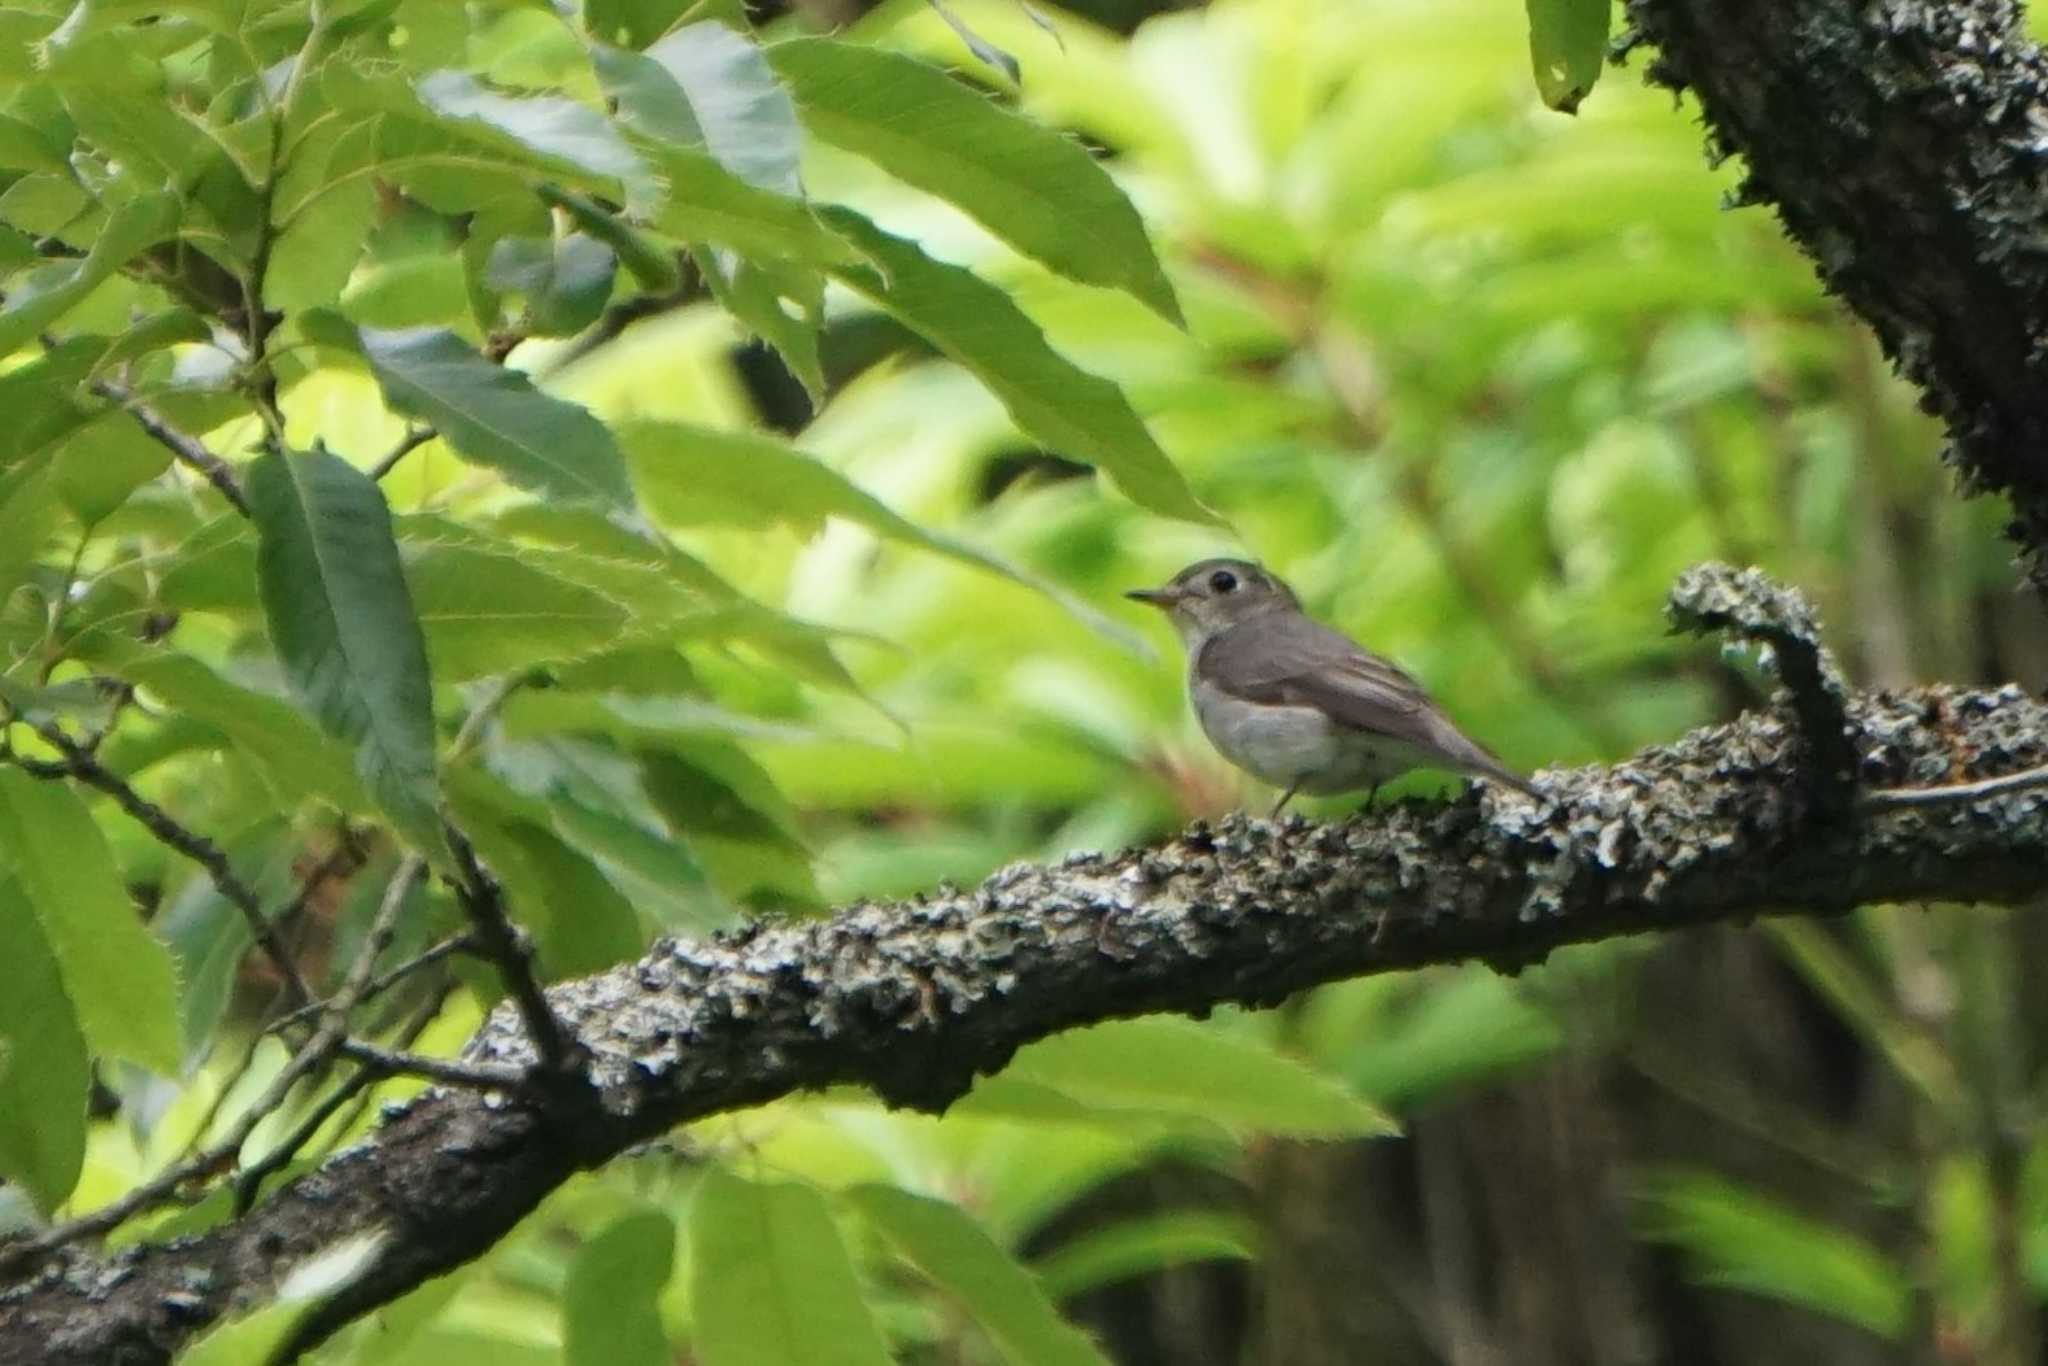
(1296, 704)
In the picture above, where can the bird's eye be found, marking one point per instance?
(1223, 581)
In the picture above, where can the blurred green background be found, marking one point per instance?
(1479, 380)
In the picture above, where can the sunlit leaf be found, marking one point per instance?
(44, 1072)
(741, 113)
(43, 295)
(609, 1311)
(957, 1256)
(1077, 414)
(492, 414)
(771, 1281)
(1744, 1240)
(1163, 1066)
(1144, 1246)
(1567, 44)
(1028, 184)
(118, 974)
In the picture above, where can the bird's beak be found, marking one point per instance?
(1154, 597)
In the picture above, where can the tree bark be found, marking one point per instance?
(916, 999)
(1904, 143)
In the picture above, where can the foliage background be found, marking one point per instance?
(1477, 378)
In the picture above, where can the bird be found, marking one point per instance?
(1297, 704)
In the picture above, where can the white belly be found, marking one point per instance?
(1298, 747)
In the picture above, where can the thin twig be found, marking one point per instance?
(1954, 794)
(414, 438)
(384, 981)
(79, 763)
(425, 1014)
(188, 450)
(474, 1076)
(499, 940)
(249, 1181)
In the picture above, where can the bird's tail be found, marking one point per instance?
(1472, 757)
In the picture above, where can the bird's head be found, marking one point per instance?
(1214, 595)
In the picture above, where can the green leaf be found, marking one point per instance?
(741, 113)
(1028, 184)
(1143, 1246)
(30, 514)
(708, 203)
(1743, 1240)
(42, 296)
(698, 476)
(492, 414)
(209, 936)
(651, 263)
(295, 759)
(753, 291)
(1567, 45)
(557, 129)
(98, 468)
(1075, 413)
(565, 280)
(770, 1280)
(1164, 1066)
(118, 975)
(45, 1075)
(153, 333)
(957, 1256)
(611, 1314)
(342, 622)
(495, 611)
(579, 921)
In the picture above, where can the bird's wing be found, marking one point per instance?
(1298, 661)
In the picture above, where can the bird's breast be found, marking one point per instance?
(1290, 746)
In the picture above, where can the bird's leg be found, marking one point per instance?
(1285, 798)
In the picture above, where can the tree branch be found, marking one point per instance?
(1900, 143)
(916, 999)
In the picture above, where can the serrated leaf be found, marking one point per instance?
(694, 476)
(1166, 1067)
(495, 611)
(557, 129)
(1075, 413)
(42, 296)
(209, 936)
(708, 203)
(565, 280)
(652, 264)
(491, 414)
(118, 975)
(957, 1256)
(741, 113)
(580, 922)
(296, 759)
(770, 1280)
(1028, 184)
(755, 291)
(46, 1077)
(1567, 45)
(342, 622)
(610, 1310)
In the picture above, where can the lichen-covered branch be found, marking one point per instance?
(915, 999)
(1901, 142)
